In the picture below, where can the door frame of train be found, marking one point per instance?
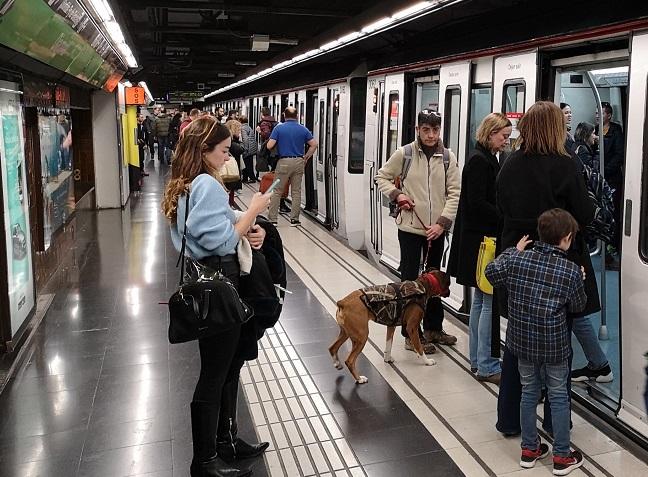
(633, 327)
(320, 157)
(452, 76)
(373, 149)
(309, 172)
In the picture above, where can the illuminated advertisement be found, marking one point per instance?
(15, 206)
(55, 133)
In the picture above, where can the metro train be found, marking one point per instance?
(360, 121)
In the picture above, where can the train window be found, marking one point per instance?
(514, 95)
(452, 118)
(427, 95)
(643, 221)
(301, 112)
(392, 125)
(480, 107)
(357, 121)
(322, 131)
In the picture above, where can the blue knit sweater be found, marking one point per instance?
(210, 223)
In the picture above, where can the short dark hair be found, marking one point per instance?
(556, 224)
(564, 105)
(607, 107)
(265, 111)
(290, 113)
(429, 117)
(194, 112)
(583, 131)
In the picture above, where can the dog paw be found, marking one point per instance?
(429, 362)
(337, 365)
(388, 359)
(362, 380)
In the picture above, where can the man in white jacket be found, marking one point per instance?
(428, 198)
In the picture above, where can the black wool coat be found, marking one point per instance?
(528, 185)
(477, 214)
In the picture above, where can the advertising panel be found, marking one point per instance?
(55, 132)
(15, 206)
(60, 35)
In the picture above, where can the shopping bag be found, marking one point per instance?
(486, 256)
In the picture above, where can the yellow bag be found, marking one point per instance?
(486, 256)
(230, 171)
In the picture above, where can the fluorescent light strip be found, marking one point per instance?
(146, 89)
(105, 13)
(382, 24)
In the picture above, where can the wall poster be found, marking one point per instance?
(20, 277)
(55, 133)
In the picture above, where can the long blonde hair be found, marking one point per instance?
(492, 123)
(200, 137)
(542, 130)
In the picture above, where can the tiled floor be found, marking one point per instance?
(102, 392)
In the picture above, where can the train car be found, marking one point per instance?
(360, 121)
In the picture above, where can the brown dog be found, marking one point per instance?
(353, 316)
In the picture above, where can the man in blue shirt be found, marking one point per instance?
(290, 138)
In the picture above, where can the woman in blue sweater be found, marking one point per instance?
(213, 233)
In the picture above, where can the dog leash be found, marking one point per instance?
(425, 227)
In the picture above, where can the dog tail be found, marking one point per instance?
(338, 315)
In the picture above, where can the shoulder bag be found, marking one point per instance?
(206, 302)
(486, 256)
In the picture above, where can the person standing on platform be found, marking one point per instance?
(290, 138)
(477, 217)
(250, 148)
(543, 285)
(142, 140)
(193, 115)
(161, 132)
(213, 233)
(428, 200)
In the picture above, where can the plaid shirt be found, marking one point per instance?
(542, 286)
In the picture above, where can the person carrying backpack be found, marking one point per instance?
(428, 195)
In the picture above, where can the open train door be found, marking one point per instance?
(320, 157)
(634, 259)
(515, 79)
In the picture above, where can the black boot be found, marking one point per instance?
(204, 421)
(283, 207)
(229, 447)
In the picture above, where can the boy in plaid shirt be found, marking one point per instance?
(543, 285)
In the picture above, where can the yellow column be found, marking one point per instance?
(130, 143)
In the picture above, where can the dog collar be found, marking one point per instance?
(433, 282)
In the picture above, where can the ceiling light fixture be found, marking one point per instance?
(146, 89)
(107, 19)
(400, 17)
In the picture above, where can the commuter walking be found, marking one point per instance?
(161, 132)
(543, 285)
(290, 138)
(213, 232)
(142, 140)
(477, 217)
(250, 148)
(541, 175)
(428, 198)
(193, 115)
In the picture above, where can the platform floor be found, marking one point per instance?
(102, 393)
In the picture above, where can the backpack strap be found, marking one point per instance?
(407, 161)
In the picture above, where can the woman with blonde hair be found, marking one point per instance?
(213, 232)
(236, 151)
(539, 176)
(477, 217)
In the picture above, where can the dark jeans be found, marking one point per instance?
(248, 171)
(510, 396)
(164, 150)
(218, 368)
(413, 248)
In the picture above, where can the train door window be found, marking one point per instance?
(480, 107)
(427, 96)
(643, 222)
(452, 118)
(301, 112)
(322, 133)
(357, 121)
(513, 99)
(392, 125)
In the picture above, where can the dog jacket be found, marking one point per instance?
(387, 302)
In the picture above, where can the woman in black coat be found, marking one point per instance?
(585, 144)
(477, 217)
(540, 176)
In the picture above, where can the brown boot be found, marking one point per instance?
(440, 337)
(428, 347)
(493, 378)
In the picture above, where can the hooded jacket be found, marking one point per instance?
(435, 192)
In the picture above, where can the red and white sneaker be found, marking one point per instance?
(530, 456)
(564, 465)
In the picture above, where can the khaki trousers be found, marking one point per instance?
(288, 169)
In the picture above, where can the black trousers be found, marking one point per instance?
(413, 249)
(248, 170)
(218, 367)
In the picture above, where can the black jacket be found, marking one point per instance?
(587, 155)
(527, 186)
(477, 214)
(613, 154)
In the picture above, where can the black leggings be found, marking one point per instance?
(411, 248)
(217, 363)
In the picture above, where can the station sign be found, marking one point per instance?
(135, 95)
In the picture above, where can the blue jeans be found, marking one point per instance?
(481, 316)
(586, 336)
(555, 376)
(164, 152)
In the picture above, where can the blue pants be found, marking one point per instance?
(586, 336)
(164, 151)
(554, 376)
(481, 315)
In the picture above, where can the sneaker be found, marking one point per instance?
(284, 209)
(493, 378)
(440, 337)
(529, 457)
(428, 348)
(564, 465)
(294, 222)
(603, 375)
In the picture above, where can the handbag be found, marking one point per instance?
(486, 256)
(206, 302)
(230, 171)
